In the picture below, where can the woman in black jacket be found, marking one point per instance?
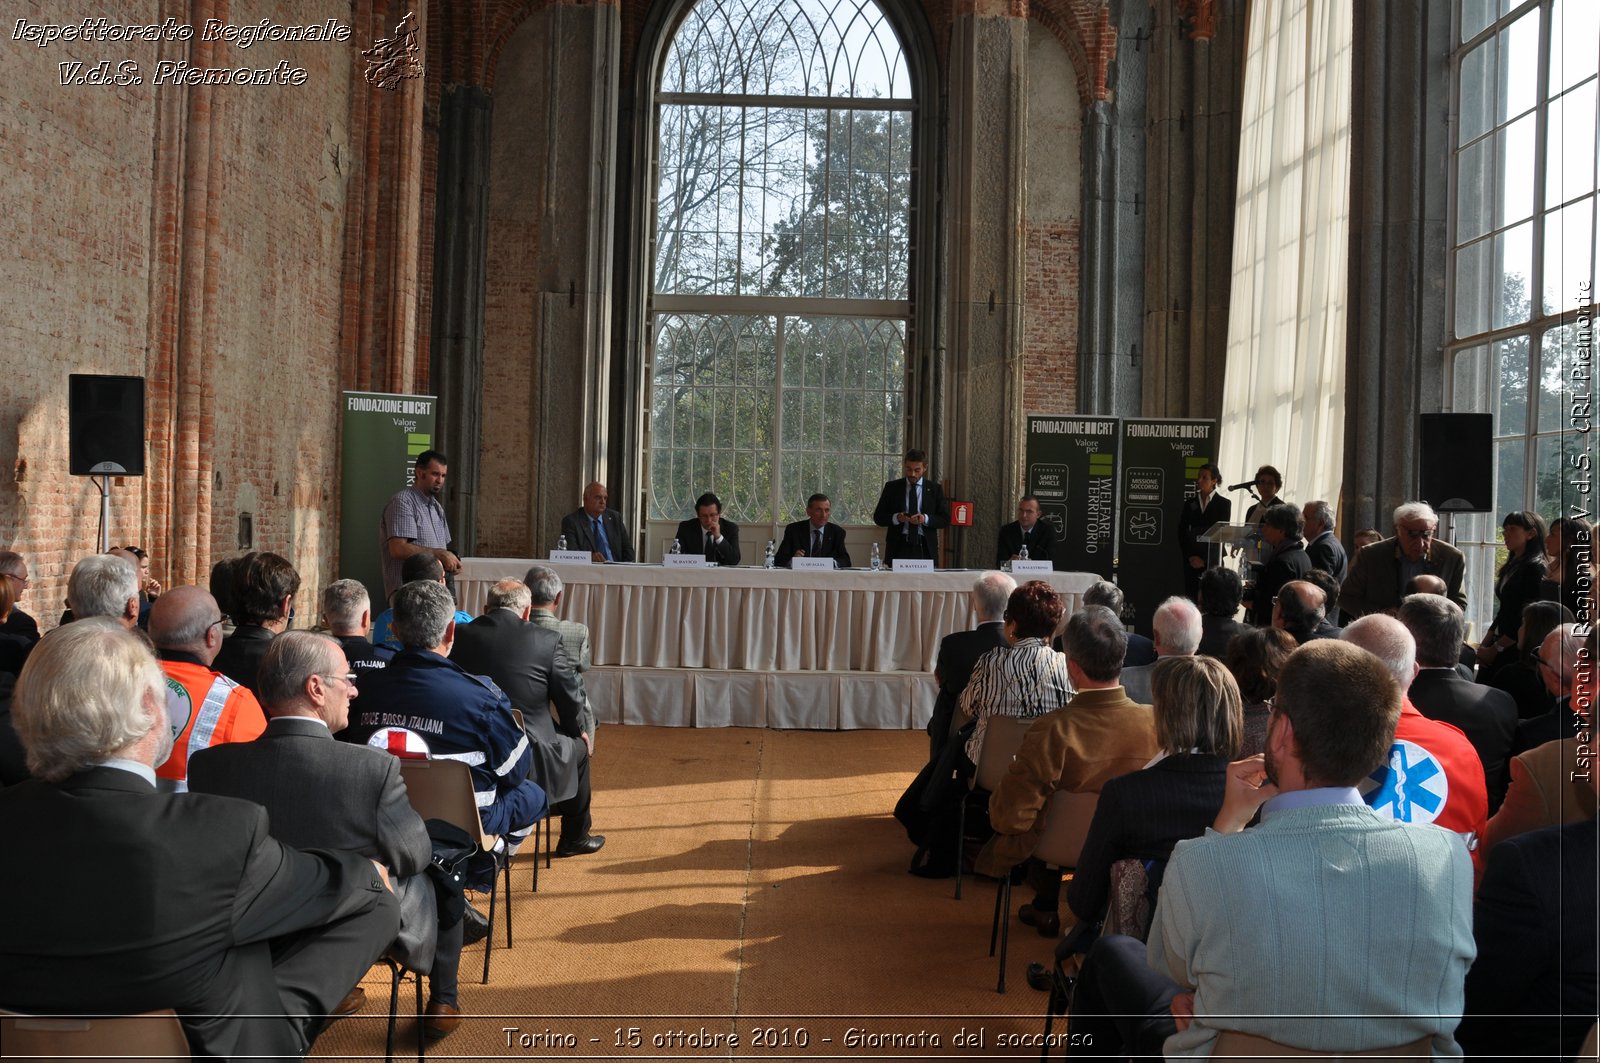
(1515, 586)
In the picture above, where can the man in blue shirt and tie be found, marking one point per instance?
(598, 529)
(913, 509)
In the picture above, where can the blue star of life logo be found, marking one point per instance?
(1410, 786)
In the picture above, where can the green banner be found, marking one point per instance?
(1072, 468)
(382, 436)
(1159, 461)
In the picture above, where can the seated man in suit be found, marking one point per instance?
(597, 529)
(450, 713)
(1177, 628)
(816, 536)
(959, 653)
(104, 585)
(180, 901)
(1220, 592)
(530, 664)
(913, 508)
(1027, 530)
(1571, 687)
(1379, 572)
(1487, 716)
(347, 614)
(1299, 609)
(206, 707)
(323, 794)
(546, 588)
(1373, 915)
(1141, 650)
(708, 534)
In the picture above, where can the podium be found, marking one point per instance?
(1242, 540)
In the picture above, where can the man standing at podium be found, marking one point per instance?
(913, 509)
(1027, 530)
(1200, 511)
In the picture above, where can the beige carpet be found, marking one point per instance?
(752, 885)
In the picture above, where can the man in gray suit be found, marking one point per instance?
(1177, 629)
(320, 793)
(546, 588)
(530, 664)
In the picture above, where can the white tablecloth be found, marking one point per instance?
(751, 647)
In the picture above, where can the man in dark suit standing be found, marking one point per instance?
(816, 536)
(913, 509)
(1200, 511)
(707, 533)
(1322, 546)
(1027, 530)
(959, 652)
(530, 664)
(181, 901)
(319, 793)
(597, 529)
(1487, 716)
(1281, 530)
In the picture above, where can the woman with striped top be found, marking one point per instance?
(1025, 677)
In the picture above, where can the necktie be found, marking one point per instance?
(600, 539)
(816, 542)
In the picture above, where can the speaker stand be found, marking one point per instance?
(101, 475)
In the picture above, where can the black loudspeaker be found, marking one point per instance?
(105, 425)
(1458, 462)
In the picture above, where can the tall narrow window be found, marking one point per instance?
(1523, 259)
(780, 300)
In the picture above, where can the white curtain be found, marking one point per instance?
(1283, 392)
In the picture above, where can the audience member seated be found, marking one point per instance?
(1515, 585)
(1141, 815)
(1531, 991)
(1558, 660)
(1254, 659)
(1432, 773)
(1569, 561)
(13, 648)
(1379, 572)
(1551, 785)
(263, 590)
(1025, 678)
(1141, 650)
(206, 708)
(450, 713)
(322, 794)
(220, 584)
(1220, 591)
(165, 900)
(960, 650)
(1367, 920)
(1364, 538)
(421, 566)
(1488, 717)
(547, 591)
(1285, 559)
(14, 573)
(1332, 619)
(530, 665)
(1297, 609)
(1100, 734)
(104, 585)
(347, 614)
(149, 586)
(1519, 673)
(1177, 627)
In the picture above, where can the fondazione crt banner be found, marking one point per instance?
(381, 438)
(1072, 470)
(1159, 461)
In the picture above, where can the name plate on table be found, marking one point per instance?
(683, 561)
(913, 564)
(572, 557)
(1020, 567)
(811, 564)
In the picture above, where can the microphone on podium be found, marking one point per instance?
(1240, 487)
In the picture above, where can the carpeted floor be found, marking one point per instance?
(753, 885)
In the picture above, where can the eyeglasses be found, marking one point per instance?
(348, 677)
(1420, 533)
(21, 580)
(218, 622)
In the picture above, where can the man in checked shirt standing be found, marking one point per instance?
(414, 523)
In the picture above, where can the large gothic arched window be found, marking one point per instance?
(780, 302)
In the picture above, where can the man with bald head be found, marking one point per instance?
(597, 529)
(1299, 608)
(205, 707)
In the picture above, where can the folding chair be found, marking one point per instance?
(1129, 913)
(152, 1035)
(1066, 825)
(442, 789)
(397, 971)
(546, 818)
(1002, 737)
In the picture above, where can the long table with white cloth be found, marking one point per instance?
(756, 647)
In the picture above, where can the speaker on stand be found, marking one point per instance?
(105, 432)
(1457, 466)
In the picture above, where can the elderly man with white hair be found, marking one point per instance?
(1380, 572)
(1177, 629)
(105, 585)
(180, 901)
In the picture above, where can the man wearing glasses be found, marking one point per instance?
(14, 570)
(1380, 572)
(205, 707)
